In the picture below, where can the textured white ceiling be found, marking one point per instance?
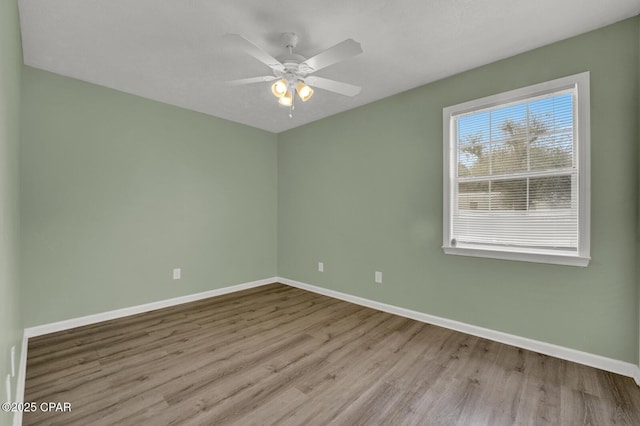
(173, 51)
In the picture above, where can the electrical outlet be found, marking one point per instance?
(177, 273)
(378, 277)
(13, 361)
(320, 266)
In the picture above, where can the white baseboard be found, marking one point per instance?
(592, 360)
(133, 310)
(20, 380)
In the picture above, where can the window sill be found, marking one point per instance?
(556, 259)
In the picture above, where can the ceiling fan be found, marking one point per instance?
(292, 72)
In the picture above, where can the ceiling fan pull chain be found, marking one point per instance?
(293, 104)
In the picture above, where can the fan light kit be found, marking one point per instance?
(281, 89)
(292, 71)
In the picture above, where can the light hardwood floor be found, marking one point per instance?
(281, 355)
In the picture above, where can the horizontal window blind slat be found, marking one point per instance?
(520, 175)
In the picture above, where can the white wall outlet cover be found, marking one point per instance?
(177, 273)
(378, 277)
(321, 266)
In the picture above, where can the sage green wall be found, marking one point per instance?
(10, 68)
(117, 190)
(362, 191)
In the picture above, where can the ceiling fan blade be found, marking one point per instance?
(333, 86)
(332, 55)
(251, 80)
(239, 42)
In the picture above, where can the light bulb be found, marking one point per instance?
(279, 88)
(286, 99)
(305, 92)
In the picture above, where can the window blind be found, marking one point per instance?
(517, 175)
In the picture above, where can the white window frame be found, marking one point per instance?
(579, 82)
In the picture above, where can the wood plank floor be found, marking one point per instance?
(281, 355)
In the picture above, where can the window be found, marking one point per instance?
(516, 174)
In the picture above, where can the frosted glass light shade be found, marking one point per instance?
(279, 88)
(305, 92)
(286, 99)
